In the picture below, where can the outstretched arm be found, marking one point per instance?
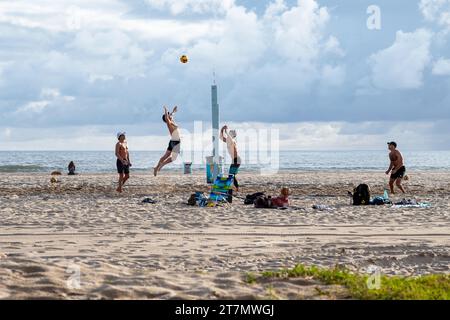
(391, 166)
(166, 112)
(167, 115)
(222, 131)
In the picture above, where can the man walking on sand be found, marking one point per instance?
(123, 160)
(396, 168)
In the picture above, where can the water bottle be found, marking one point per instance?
(386, 195)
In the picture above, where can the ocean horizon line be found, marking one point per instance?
(263, 150)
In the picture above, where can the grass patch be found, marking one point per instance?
(427, 287)
(250, 278)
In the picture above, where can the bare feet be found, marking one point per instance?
(119, 190)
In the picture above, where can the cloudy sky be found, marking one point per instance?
(72, 73)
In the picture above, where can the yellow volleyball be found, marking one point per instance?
(184, 59)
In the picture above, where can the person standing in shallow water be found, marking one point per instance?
(71, 168)
(173, 149)
(123, 160)
(397, 168)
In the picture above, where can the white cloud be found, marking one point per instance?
(284, 61)
(442, 67)
(290, 39)
(274, 9)
(437, 11)
(401, 65)
(48, 97)
(50, 93)
(333, 46)
(238, 45)
(417, 135)
(299, 32)
(34, 106)
(196, 6)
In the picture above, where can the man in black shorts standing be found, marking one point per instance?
(397, 168)
(123, 160)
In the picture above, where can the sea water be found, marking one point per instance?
(105, 161)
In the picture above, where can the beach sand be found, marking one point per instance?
(79, 239)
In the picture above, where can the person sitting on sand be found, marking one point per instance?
(71, 168)
(282, 201)
(173, 149)
(123, 160)
(396, 168)
(230, 140)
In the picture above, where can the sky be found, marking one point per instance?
(327, 74)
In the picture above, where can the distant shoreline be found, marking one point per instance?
(198, 172)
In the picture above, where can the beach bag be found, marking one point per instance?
(197, 198)
(361, 195)
(250, 198)
(263, 202)
(192, 200)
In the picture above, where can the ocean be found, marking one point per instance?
(104, 161)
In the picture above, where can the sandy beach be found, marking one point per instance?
(124, 249)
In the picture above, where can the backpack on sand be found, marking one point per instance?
(250, 198)
(361, 195)
(263, 202)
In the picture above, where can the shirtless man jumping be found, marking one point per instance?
(173, 149)
(397, 168)
(123, 160)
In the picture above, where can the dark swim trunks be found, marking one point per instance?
(400, 173)
(121, 168)
(173, 144)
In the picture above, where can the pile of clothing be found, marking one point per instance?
(198, 199)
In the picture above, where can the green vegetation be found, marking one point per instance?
(427, 287)
(250, 278)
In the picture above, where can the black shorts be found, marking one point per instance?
(399, 174)
(173, 144)
(121, 168)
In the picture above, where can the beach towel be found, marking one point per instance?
(418, 205)
(411, 203)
